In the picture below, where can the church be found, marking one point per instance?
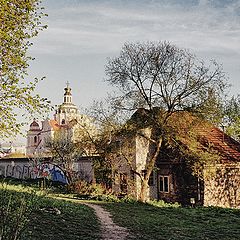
(66, 117)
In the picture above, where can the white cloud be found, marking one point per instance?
(100, 28)
(211, 29)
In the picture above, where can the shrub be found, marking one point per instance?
(127, 199)
(90, 191)
(161, 203)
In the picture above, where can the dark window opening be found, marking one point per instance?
(123, 182)
(63, 121)
(151, 179)
(164, 183)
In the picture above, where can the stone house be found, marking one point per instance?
(173, 179)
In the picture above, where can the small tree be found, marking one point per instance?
(64, 151)
(163, 77)
(19, 22)
(231, 120)
(107, 123)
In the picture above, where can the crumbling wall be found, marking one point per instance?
(222, 187)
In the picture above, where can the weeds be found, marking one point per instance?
(15, 209)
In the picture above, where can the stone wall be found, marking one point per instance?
(222, 186)
(84, 169)
(24, 168)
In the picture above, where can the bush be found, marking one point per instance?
(84, 190)
(161, 203)
(127, 199)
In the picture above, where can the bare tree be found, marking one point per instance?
(163, 79)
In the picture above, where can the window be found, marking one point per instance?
(132, 175)
(163, 183)
(63, 121)
(151, 179)
(35, 139)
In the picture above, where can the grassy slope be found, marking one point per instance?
(149, 222)
(76, 221)
(144, 221)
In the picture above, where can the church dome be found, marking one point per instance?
(34, 126)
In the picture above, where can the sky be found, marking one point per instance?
(82, 35)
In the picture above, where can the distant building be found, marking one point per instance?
(11, 149)
(24, 166)
(66, 117)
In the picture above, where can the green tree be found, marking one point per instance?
(164, 80)
(63, 151)
(231, 121)
(19, 22)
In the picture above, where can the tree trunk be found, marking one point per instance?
(143, 197)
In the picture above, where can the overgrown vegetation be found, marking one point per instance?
(15, 211)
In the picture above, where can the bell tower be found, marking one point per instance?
(67, 111)
(67, 99)
(33, 137)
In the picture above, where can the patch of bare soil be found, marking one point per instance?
(110, 230)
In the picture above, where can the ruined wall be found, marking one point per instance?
(142, 157)
(222, 186)
(84, 170)
(122, 158)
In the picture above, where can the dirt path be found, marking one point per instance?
(110, 231)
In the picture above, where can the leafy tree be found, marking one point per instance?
(19, 22)
(164, 80)
(231, 121)
(107, 123)
(68, 144)
(63, 151)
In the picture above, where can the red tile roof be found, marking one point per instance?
(54, 124)
(227, 147)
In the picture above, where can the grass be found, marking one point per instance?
(151, 222)
(75, 221)
(144, 221)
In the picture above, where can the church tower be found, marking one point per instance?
(67, 111)
(66, 118)
(33, 137)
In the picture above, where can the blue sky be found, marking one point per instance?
(82, 34)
